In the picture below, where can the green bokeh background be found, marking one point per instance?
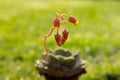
(23, 24)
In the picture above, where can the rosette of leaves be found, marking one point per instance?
(61, 63)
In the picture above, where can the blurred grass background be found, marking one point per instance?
(23, 23)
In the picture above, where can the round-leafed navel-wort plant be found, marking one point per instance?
(60, 22)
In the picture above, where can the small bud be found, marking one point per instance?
(62, 40)
(73, 20)
(65, 34)
(56, 23)
(58, 39)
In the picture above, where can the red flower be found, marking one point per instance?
(62, 40)
(73, 20)
(65, 34)
(58, 39)
(56, 23)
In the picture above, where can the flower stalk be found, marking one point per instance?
(45, 44)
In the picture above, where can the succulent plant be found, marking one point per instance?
(61, 63)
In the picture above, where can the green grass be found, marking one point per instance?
(23, 23)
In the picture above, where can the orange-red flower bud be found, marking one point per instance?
(73, 20)
(58, 39)
(65, 34)
(56, 23)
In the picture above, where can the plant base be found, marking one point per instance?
(63, 78)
